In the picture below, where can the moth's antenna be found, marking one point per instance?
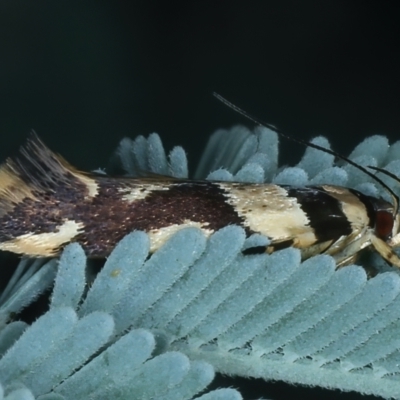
(259, 121)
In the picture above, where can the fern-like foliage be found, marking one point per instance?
(158, 326)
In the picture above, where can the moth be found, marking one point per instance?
(45, 203)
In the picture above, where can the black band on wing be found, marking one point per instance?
(324, 212)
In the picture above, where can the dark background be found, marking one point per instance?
(84, 74)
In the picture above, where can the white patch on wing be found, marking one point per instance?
(267, 209)
(352, 206)
(140, 191)
(159, 236)
(43, 244)
(91, 184)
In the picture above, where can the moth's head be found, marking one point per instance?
(384, 221)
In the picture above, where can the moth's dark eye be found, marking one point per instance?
(383, 224)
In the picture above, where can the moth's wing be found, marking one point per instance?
(328, 228)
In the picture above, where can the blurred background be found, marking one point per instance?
(84, 74)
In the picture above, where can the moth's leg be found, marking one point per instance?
(279, 245)
(347, 261)
(319, 248)
(346, 249)
(386, 251)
